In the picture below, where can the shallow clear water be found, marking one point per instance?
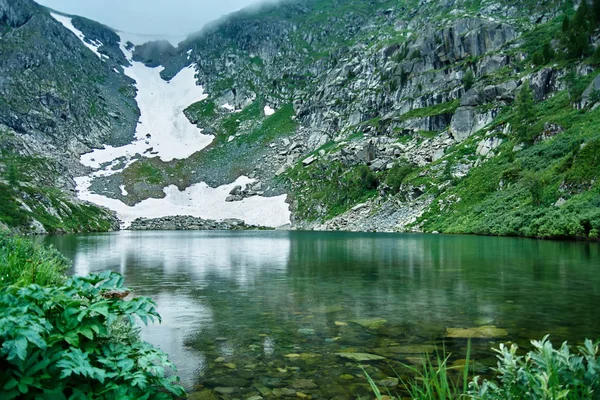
(246, 312)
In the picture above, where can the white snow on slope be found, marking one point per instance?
(67, 22)
(199, 200)
(164, 131)
(268, 111)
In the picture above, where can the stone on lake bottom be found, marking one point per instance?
(278, 392)
(304, 384)
(225, 390)
(370, 323)
(480, 332)
(361, 356)
(203, 395)
(388, 382)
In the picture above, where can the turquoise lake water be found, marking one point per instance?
(246, 313)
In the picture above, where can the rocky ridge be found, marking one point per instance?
(57, 101)
(450, 116)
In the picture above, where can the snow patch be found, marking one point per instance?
(163, 130)
(199, 200)
(269, 111)
(189, 54)
(68, 23)
(228, 107)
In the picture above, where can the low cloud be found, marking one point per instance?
(152, 17)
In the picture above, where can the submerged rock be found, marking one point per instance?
(480, 332)
(360, 356)
(370, 323)
(203, 395)
(304, 384)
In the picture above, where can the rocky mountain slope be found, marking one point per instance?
(57, 100)
(455, 116)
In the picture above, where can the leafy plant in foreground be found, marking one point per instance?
(57, 343)
(23, 262)
(545, 373)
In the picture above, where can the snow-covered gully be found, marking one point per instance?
(164, 131)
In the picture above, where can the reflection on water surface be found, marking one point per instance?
(269, 312)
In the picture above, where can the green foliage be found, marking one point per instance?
(548, 53)
(576, 85)
(535, 185)
(23, 262)
(231, 124)
(277, 125)
(438, 109)
(146, 172)
(524, 104)
(538, 59)
(496, 198)
(576, 32)
(525, 113)
(566, 24)
(435, 381)
(468, 80)
(397, 174)
(585, 168)
(223, 84)
(12, 175)
(57, 344)
(544, 373)
(331, 189)
(200, 110)
(11, 212)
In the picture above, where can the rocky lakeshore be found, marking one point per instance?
(189, 223)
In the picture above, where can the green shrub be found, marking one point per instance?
(468, 80)
(535, 185)
(538, 59)
(397, 174)
(585, 169)
(544, 373)
(13, 177)
(23, 262)
(58, 343)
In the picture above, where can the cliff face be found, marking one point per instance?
(448, 115)
(407, 116)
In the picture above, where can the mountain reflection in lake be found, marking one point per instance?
(249, 312)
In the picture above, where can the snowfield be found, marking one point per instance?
(268, 111)
(164, 131)
(199, 200)
(67, 22)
